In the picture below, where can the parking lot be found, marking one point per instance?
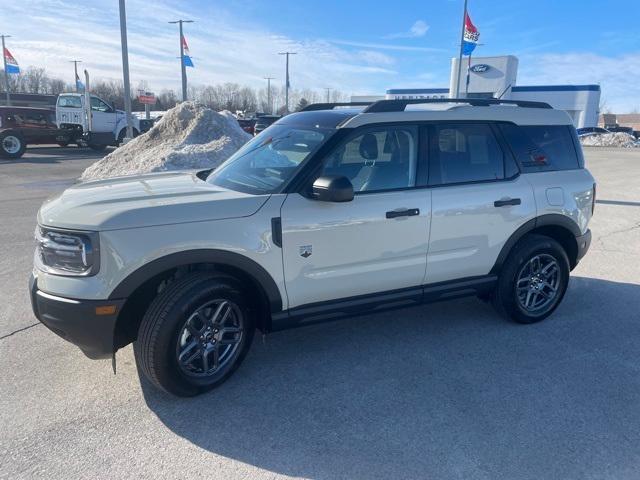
(448, 390)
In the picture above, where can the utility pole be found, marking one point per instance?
(287, 83)
(6, 75)
(328, 91)
(125, 70)
(183, 68)
(268, 79)
(75, 71)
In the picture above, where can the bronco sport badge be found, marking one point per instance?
(306, 251)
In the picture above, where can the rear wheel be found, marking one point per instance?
(12, 145)
(195, 334)
(533, 280)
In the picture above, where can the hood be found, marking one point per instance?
(144, 201)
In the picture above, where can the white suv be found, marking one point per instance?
(329, 212)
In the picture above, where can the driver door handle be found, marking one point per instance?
(406, 212)
(504, 202)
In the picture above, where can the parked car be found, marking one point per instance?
(263, 122)
(591, 131)
(23, 126)
(336, 212)
(247, 124)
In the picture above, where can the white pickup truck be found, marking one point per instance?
(107, 126)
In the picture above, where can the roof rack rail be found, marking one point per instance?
(400, 104)
(330, 106)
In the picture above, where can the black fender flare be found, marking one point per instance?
(550, 219)
(211, 256)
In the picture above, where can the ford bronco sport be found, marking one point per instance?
(329, 212)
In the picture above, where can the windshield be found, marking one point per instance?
(267, 162)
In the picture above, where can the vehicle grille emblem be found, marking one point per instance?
(306, 251)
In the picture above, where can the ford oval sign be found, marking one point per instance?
(480, 68)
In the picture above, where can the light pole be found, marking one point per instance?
(268, 79)
(286, 88)
(328, 89)
(125, 69)
(6, 75)
(464, 17)
(183, 68)
(75, 71)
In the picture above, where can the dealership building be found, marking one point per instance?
(495, 77)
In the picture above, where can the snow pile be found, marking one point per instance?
(619, 139)
(188, 136)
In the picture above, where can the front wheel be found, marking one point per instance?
(533, 280)
(195, 334)
(12, 145)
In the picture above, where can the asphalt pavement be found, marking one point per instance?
(448, 390)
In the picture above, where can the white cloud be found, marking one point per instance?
(615, 75)
(224, 49)
(418, 29)
(387, 46)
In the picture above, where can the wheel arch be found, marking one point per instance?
(141, 286)
(559, 227)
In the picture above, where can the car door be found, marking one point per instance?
(103, 116)
(375, 243)
(478, 200)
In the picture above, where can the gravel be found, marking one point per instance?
(188, 136)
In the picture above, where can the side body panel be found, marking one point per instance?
(339, 250)
(125, 251)
(468, 231)
(566, 192)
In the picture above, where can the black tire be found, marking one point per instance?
(97, 147)
(63, 144)
(123, 134)
(12, 144)
(165, 325)
(518, 269)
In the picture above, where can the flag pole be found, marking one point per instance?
(6, 75)
(464, 17)
(466, 88)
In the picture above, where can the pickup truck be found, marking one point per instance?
(22, 126)
(108, 125)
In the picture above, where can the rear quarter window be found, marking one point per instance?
(70, 102)
(540, 148)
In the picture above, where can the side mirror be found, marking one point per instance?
(332, 188)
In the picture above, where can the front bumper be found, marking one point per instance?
(77, 321)
(584, 241)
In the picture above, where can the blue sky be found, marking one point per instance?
(356, 46)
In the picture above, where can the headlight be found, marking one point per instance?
(67, 252)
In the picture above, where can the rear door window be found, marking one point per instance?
(542, 147)
(462, 153)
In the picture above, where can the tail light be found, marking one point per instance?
(593, 199)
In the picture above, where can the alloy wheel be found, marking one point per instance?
(210, 339)
(538, 284)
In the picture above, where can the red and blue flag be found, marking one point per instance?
(186, 56)
(12, 64)
(471, 36)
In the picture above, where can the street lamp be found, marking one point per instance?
(183, 68)
(286, 88)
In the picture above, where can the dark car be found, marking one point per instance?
(591, 131)
(620, 129)
(263, 122)
(22, 126)
(247, 124)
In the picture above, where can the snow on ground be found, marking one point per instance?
(188, 136)
(618, 139)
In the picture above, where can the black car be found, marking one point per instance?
(22, 126)
(591, 131)
(263, 122)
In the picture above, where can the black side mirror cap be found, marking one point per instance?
(332, 188)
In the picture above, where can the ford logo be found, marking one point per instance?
(480, 68)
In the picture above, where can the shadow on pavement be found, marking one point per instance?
(49, 155)
(448, 390)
